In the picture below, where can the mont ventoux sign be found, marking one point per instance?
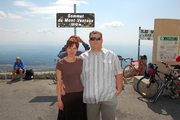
(65, 20)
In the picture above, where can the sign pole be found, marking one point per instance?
(75, 12)
(139, 44)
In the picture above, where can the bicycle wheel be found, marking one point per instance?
(147, 87)
(128, 72)
(159, 92)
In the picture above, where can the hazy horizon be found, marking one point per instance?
(41, 58)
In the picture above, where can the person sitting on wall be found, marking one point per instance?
(18, 68)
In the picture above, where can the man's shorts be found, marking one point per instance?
(17, 71)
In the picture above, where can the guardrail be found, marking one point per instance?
(37, 75)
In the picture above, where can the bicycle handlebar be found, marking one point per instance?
(127, 59)
(169, 66)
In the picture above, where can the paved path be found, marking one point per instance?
(36, 100)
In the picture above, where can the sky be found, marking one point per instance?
(33, 22)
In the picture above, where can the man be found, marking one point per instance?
(63, 52)
(18, 68)
(101, 78)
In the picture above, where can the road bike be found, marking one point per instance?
(153, 88)
(171, 81)
(147, 86)
(136, 67)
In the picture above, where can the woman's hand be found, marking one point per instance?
(60, 105)
(79, 39)
(62, 89)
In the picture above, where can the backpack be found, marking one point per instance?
(29, 74)
(151, 69)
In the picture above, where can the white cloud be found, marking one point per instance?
(61, 6)
(50, 9)
(47, 18)
(13, 16)
(2, 15)
(44, 31)
(19, 31)
(112, 25)
(23, 3)
(4, 30)
(70, 2)
(9, 16)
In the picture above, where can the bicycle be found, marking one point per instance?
(170, 81)
(153, 88)
(136, 67)
(175, 89)
(121, 60)
(147, 86)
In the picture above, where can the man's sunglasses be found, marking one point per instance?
(95, 38)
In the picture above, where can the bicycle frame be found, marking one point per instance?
(168, 77)
(140, 65)
(124, 59)
(159, 75)
(130, 70)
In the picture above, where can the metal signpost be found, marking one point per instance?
(144, 35)
(75, 12)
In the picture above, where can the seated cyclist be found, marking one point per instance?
(18, 68)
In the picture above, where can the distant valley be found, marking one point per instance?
(43, 58)
(34, 57)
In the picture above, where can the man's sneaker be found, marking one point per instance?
(21, 79)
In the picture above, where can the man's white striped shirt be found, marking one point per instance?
(98, 75)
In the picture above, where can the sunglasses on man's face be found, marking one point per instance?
(95, 38)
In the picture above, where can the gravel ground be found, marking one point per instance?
(36, 100)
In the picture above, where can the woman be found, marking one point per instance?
(69, 68)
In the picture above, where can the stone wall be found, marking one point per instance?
(37, 75)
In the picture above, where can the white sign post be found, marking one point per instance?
(144, 35)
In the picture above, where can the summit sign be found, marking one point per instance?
(75, 20)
